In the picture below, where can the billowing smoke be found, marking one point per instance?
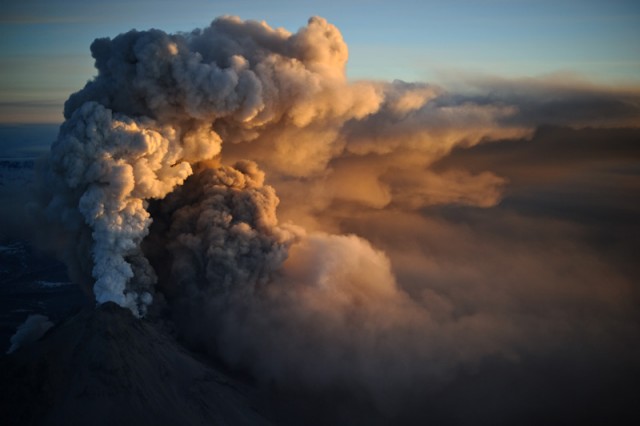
(108, 166)
(156, 197)
(162, 103)
(219, 234)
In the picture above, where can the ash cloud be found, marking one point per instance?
(557, 99)
(405, 262)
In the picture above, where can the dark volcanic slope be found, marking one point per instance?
(105, 367)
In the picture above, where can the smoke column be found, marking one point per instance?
(159, 105)
(158, 192)
(162, 103)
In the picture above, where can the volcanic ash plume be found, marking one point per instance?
(107, 166)
(160, 104)
(142, 204)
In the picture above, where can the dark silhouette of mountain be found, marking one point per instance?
(103, 366)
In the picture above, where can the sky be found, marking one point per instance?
(44, 44)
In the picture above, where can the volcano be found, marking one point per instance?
(105, 367)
